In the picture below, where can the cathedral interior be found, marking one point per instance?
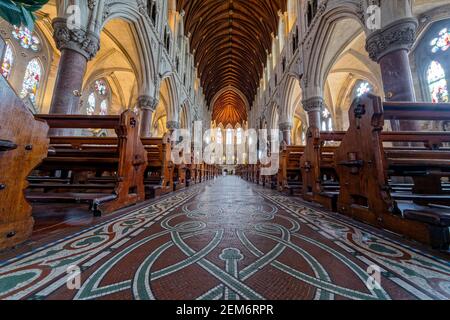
(353, 97)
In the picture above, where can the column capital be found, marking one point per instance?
(313, 104)
(173, 125)
(147, 103)
(285, 126)
(399, 35)
(85, 43)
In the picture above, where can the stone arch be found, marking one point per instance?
(274, 117)
(323, 48)
(168, 92)
(140, 22)
(291, 98)
(186, 121)
(350, 64)
(119, 62)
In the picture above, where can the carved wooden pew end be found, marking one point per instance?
(23, 146)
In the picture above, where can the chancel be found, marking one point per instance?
(347, 100)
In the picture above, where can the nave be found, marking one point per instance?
(225, 239)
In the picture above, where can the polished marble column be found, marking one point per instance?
(390, 47)
(77, 48)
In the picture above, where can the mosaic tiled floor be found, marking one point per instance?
(225, 240)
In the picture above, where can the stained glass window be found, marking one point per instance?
(90, 110)
(327, 122)
(26, 38)
(8, 61)
(229, 136)
(31, 80)
(363, 88)
(98, 98)
(442, 42)
(104, 108)
(437, 83)
(101, 87)
(219, 139)
(239, 136)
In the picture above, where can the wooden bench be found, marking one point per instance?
(319, 177)
(320, 180)
(256, 173)
(191, 175)
(105, 172)
(242, 171)
(366, 167)
(289, 173)
(23, 145)
(158, 177)
(179, 174)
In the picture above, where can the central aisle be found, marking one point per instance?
(225, 240)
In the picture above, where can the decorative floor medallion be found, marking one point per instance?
(226, 240)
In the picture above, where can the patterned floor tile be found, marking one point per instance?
(226, 240)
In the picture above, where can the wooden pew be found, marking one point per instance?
(201, 172)
(179, 174)
(190, 174)
(190, 170)
(319, 177)
(23, 145)
(256, 173)
(242, 171)
(289, 173)
(246, 172)
(267, 181)
(158, 178)
(122, 159)
(364, 166)
(320, 181)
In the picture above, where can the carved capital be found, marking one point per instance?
(313, 104)
(173, 125)
(399, 35)
(85, 43)
(147, 103)
(285, 126)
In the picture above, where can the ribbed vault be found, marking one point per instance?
(230, 40)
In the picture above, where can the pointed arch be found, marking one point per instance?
(168, 87)
(291, 98)
(142, 29)
(324, 48)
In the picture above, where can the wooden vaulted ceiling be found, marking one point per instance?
(229, 108)
(230, 40)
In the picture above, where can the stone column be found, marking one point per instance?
(390, 47)
(172, 126)
(147, 105)
(77, 48)
(313, 106)
(286, 128)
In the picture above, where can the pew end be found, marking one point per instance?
(24, 145)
